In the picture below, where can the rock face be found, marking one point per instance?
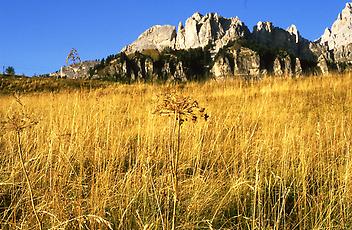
(76, 71)
(246, 62)
(210, 29)
(180, 37)
(277, 67)
(298, 68)
(340, 33)
(221, 68)
(343, 54)
(149, 67)
(199, 31)
(337, 43)
(286, 66)
(236, 62)
(179, 74)
(156, 38)
(323, 65)
(289, 40)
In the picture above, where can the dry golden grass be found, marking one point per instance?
(274, 154)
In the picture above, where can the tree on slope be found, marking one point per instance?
(10, 70)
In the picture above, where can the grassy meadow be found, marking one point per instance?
(273, 154)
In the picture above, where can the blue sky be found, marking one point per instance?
(37, 35)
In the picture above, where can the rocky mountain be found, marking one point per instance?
(213, 46)
(217, 32)
(199, 31)
(340, 32)
(338, 39)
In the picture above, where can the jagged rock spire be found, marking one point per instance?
(340, 33)
(294, 32)
(263, 26)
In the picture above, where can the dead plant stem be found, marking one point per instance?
(20, 153)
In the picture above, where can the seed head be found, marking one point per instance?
(184, 108)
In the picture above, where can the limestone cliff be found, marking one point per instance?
(340, 34)
(199, 31)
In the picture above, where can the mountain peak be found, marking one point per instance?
(294, 32)
(198, 32)
(197, 16)
(263, 26)
(340, 33)
(347, 11)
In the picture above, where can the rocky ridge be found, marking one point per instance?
(199, 31)
(213, 46)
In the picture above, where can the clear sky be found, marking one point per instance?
(37, 35)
